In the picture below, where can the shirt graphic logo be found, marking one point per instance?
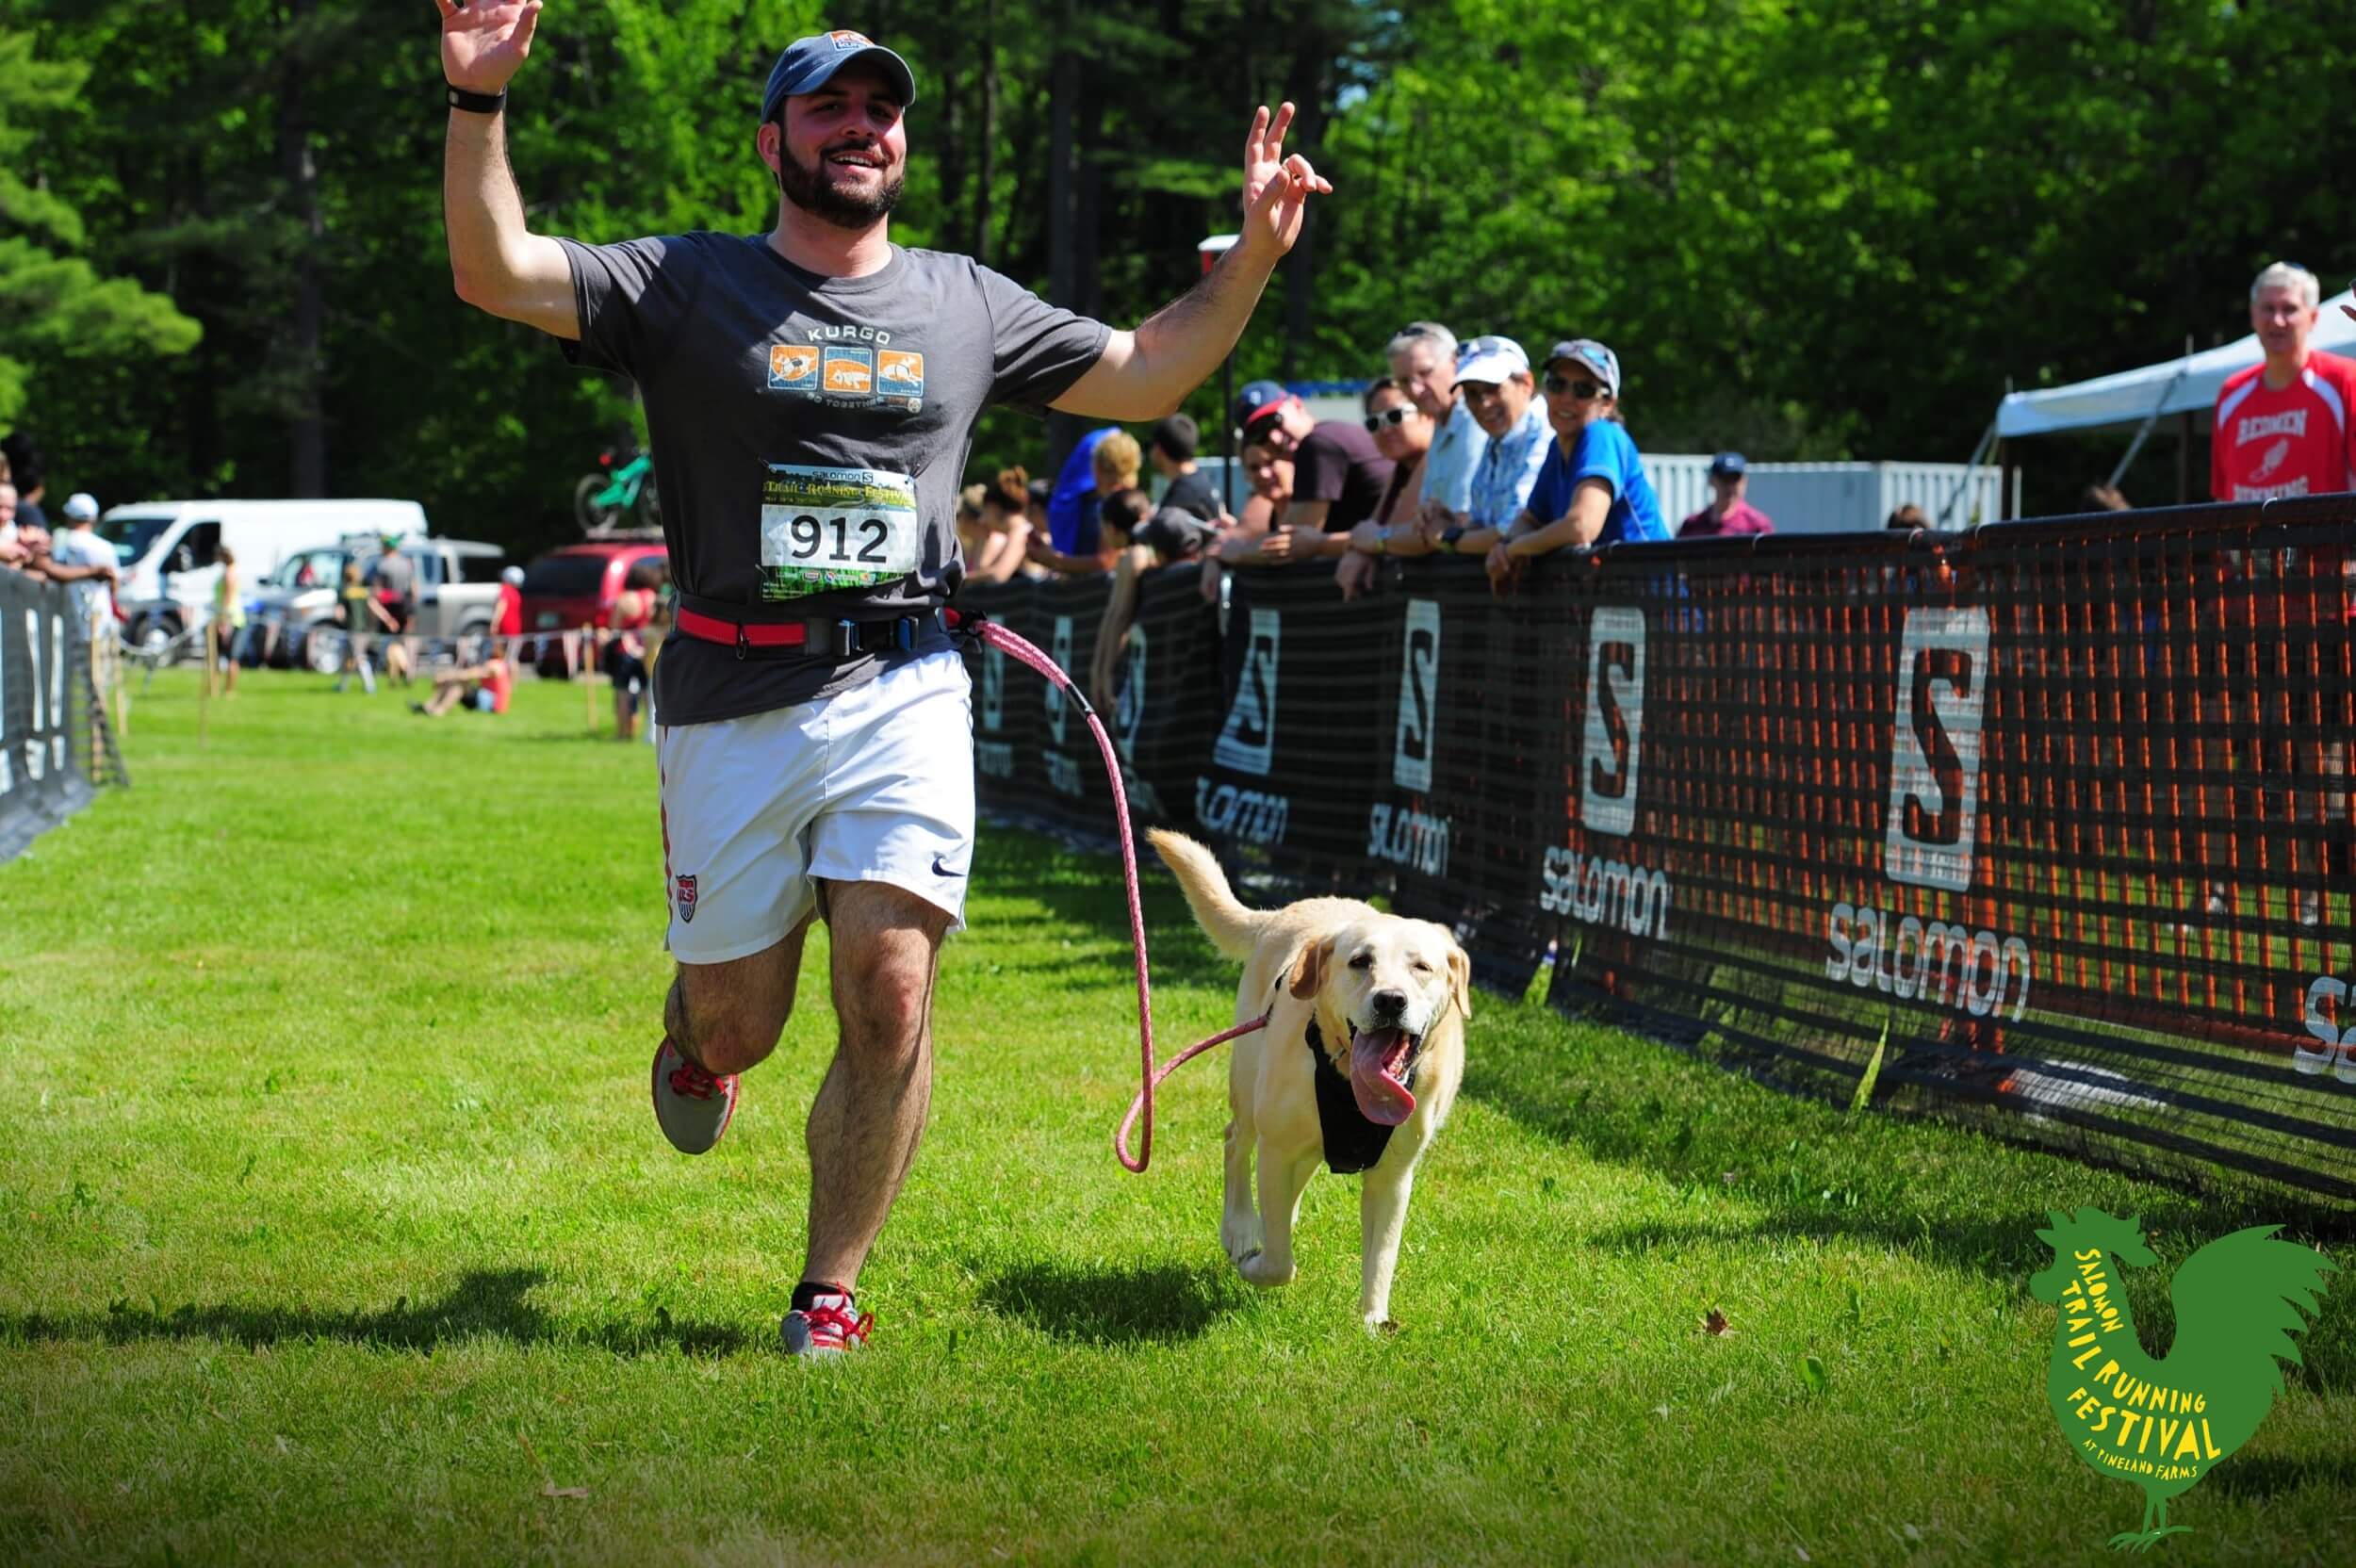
(845, 39)
(2272, 460)
(1934, 817)
(685, 899)
(848, 373)
(793, 368)
(899, 379)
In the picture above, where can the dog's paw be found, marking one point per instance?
(1384, 1327)
(1239, 1239)
(1257, 1269)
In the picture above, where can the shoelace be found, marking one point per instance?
(689, 1079)
(843, 1326)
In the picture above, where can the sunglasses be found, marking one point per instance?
(1390, 418)
(1585, 391)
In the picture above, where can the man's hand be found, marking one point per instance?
(1280, 545)
(1434, 519)
(482, 45)
(1505, 570)
(1276, 188)
(1355, 575)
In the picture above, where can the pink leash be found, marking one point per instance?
(1000, 637)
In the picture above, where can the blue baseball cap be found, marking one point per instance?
(1587, 351)
(1729, 466)
(809, 63)
(1258, 400)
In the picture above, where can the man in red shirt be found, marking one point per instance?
(2287, 427)
(2282, 427)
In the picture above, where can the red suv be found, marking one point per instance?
(576, 586)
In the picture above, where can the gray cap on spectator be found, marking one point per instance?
(1587, 351)
(82, 507)
(514, 575)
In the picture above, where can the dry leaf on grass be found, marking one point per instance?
(1716, 1323)
(552, 1490)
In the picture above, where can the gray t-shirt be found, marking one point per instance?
(809, 433)
(393, 575)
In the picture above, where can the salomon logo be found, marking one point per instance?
(1933, 820)
(1418, 693)
(1615, 721)
(1248, 744)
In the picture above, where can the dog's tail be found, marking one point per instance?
(1233, 928)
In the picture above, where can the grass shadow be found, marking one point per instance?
(2269, 1475)
(1160, 1303)
(1017, 862)
(483, 1303)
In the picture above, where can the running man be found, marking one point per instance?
(811, 393)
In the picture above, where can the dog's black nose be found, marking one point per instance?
(1388, 1006)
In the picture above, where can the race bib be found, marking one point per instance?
(825, 528)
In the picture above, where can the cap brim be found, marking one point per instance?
(1491, 369)
(897, 68)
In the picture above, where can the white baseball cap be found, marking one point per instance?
(82, 507)
(1491, 360)
(514, 575)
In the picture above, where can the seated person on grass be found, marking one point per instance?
(484, 687)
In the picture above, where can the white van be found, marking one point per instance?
(169, 549)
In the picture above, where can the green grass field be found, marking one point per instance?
(334, 1227)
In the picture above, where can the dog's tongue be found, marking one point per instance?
(1375, 1057)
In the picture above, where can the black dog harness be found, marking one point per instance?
(1353, 1143)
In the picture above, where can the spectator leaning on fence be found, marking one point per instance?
(1114, 458)
(2284, 427)
(1492, 375)
(1338, 475)
(1593, 488)
(1402, 431)
(1173, 447)
(1004, 533)
(13, 551)
(1142, 536)
(1423, 362)
(1729, 511)
(78, 556)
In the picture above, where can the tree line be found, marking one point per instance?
(1811, 228)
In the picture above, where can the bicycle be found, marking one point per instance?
(603, 500)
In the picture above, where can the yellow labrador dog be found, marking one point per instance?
(1357, 1067)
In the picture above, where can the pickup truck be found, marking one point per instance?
(457, 596)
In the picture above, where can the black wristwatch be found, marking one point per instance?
(476, 103)
(1451, 534)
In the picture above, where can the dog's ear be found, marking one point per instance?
(1309, 967)
(1459, 982)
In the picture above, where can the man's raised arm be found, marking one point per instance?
(497, 264)
(1147, 373)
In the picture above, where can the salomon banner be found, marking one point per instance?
(42, 686)
(2045, 826)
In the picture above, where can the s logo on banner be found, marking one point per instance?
(1248, 742)
(1059, 649)
(1129, 702)
(1934, 819)
(1615, 721)
(994, 690)
(1419, 694)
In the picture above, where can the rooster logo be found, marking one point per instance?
(2273, 460)
(2161, 1425)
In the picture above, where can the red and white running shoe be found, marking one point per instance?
(692, 1107)
(830, 1326)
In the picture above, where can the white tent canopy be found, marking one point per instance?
(2172, 387)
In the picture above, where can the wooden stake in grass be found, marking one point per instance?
(588, 677)
(204, 697)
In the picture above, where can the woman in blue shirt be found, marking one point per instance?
(1593, 488)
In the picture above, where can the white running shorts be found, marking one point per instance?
(876, 785)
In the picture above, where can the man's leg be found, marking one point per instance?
(869, 1114)
(727, 1017)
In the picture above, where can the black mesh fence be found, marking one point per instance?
(44, 710)
(2044, 828)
